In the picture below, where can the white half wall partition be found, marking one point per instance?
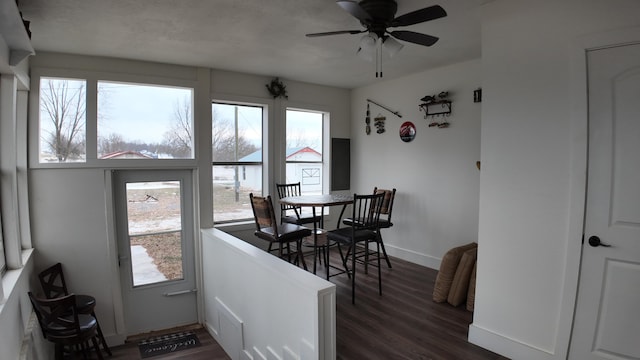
(260, 307)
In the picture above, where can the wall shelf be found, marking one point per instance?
(436, 108)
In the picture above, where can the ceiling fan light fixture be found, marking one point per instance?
(367, 47)
(391, 46)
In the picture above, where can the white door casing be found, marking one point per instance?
(150, 300)
(607, 323)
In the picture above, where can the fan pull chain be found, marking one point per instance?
(380, 55)
(379, 58)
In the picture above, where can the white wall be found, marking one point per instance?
(436, 205)
(532, 178)
(257, 304)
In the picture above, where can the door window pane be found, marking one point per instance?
(62, 120)
(144, 121)
(155, 231)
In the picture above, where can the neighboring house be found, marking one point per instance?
(128, 154)
(304, 165)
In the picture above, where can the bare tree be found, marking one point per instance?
(114, 142)
(64, 105)
(297, 139)
(223, 140)
(180, 137)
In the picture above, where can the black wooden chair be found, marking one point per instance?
(54, 286)
(63, 324)
(385, 223)
(283, 235)
(366, 209)
(294, 189)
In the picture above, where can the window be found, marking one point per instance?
(131, 121)
(144, 121)
(237, 159)
(62, 120)
(304, 160)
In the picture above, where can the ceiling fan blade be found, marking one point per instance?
(336, 33)
(354, 8)
(414, 37)
(418, 16)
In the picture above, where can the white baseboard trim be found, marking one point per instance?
(413, 256)
(505, 346)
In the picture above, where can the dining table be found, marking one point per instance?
(315, 202)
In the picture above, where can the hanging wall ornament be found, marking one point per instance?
(407, 131)
(378, 121)
(367, 120)
(277, 89)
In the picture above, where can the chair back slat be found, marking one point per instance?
(285, 190)
(52, 282)
(367, 210)
(387, 202)
(263, 212)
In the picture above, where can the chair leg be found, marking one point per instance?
(366, 256)
(383, 250)
(101, 336)
(343, 257)
(83, 349)
(96, 347)
(300, 255)
(379, 270)
(353, 273)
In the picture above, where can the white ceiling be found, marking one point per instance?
(264, 37)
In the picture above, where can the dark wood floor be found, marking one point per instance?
(403, 323)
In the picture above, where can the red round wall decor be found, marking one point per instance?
(407, 131)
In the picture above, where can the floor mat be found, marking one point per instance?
(166, 344)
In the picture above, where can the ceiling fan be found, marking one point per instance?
(377, 16)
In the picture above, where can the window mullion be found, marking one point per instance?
(92, 121)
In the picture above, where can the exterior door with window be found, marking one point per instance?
(607, 321)
(155, 228)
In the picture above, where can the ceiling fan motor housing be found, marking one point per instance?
(382, 13)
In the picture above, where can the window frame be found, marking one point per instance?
(326, 115)
(92, 78)
(258, 103)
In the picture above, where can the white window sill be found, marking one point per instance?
(10, 278)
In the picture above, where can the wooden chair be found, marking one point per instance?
(54, 286)
(63, 324)
(385, 223)
(294, 189)
(366, 209)
(284, 234)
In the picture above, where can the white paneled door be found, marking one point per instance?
(155, 227)
(607, 320)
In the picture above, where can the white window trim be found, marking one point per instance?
(92, 79)
(326, 140)
(266, 153)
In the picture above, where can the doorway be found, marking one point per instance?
(155, 234)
